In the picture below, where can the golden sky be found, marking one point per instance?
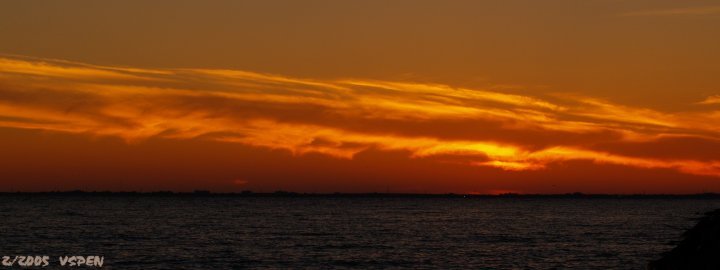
(606, 96)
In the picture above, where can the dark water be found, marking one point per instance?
(226, 233)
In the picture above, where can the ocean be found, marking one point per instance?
(215, 232)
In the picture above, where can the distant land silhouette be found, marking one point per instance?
(280, 193)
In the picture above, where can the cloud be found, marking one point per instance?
(342, 118)
(691, 11)
(711, 100)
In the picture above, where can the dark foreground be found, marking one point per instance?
(225, 232)
(699, 248)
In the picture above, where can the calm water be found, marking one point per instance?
(227, 233)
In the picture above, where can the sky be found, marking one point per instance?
(487, 97)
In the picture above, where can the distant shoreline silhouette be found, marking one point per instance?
(247, 193)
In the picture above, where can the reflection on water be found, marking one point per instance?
(143, 232)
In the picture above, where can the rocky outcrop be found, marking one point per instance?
(699, 248)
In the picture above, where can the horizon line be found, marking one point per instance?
(282, 193)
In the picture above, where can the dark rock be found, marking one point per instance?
(699, 248)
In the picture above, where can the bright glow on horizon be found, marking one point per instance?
(342, 118)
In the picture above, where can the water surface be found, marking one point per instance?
(171, 232)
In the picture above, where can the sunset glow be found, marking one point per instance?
(341, 118)
(360, 108)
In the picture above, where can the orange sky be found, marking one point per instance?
(361, 96)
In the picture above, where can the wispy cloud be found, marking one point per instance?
(341, 118)
(711, 100)
(689, 11)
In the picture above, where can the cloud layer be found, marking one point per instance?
(344, 117)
